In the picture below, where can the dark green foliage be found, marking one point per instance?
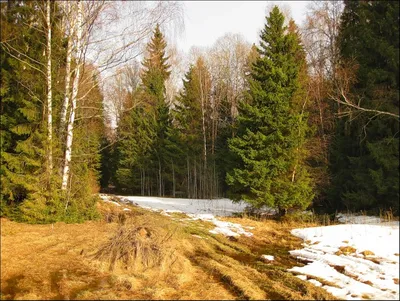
(270, 128)
(28, 191)
(107, 163)
(143, 158)
(135, 135)
(22, 144)
(188, 113)
(365, 153)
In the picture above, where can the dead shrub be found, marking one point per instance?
(133, 247)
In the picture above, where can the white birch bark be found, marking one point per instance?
(75, 86)
(203, 118)
(49, 91)
(70, 25)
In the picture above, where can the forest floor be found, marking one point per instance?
(134, 253)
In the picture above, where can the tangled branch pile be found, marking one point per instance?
(133, 246)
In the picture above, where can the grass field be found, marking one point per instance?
(139, 254)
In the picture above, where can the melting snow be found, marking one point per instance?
(363, 219)
(348, 275)
(108, 201)
(225, 228)
(268, 257)
(355, 275)
(196, 209)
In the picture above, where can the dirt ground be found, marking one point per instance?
(180, 259)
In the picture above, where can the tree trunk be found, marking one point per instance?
(159, 178)
(75, 87)
(173, 179)
(203, 122)
(195, 179)
(188, 178)
(65, 105)
(49, 92)
(282, 211)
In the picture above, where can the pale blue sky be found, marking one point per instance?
(206, 21)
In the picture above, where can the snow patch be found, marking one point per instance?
(195, 209)
(268, 257)
(302, 277)
(222, 227)
(106, 199)
(337, 253)
(363, 219)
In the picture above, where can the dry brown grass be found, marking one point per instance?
(140, 254)
(347, 250)
(367, 253)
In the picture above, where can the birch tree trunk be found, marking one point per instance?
(70, 128)
(203, 120)
(68, 75)
(49, 92)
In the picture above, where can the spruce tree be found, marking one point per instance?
(188, 115)
(365, 153)
(24, 181)
(270, 127)
(28, 192)
(142, 154)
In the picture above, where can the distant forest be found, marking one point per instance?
(306, 118)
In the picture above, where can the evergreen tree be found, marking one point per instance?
(143, 131)
(365, 153)
(28, 192)
(25, 182)
(271, 128)
(135, 136)
(188, 114)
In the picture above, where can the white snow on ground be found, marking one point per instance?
(195, 209)
(356, 276)
(221, 227)
(108, 201)
(268, 257)
(363, 219)
(216, 207)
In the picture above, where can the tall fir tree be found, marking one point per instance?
(191, 114)
(147, 126)
(271, 128)
(365, 153)
(26, 186)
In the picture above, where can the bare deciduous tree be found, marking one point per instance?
(346, 78)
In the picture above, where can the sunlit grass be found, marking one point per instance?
(139, 254)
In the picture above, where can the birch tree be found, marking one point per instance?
(49, 90)
(70, 19)
(75, 88)
(107, 49)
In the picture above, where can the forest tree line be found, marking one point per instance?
(309, 116)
